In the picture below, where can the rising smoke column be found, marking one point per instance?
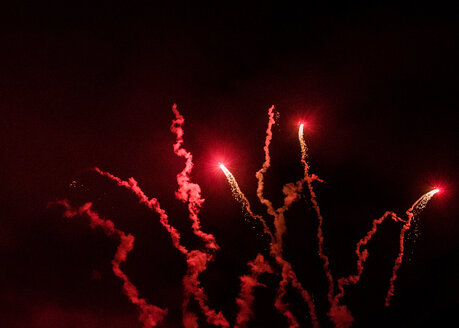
(197, 260)
(415, 209)
(149, 315)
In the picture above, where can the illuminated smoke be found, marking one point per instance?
(362, 255)
(415, 209)
(152, 204)
(248, 283)
(320, 238)
(190, 193)
(267, 163)
(149, 315)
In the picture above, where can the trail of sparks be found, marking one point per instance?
(190, 193)
(240, 197)
(149, 315)
(334, 310)
(415, 209)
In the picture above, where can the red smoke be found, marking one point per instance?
(152, 204)
(197, 260)
(362, 255)
(190, 193)
(291, 193)
(248, 283)
(149, 315)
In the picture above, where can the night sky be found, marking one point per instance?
(85, 85)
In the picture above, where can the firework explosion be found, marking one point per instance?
(273, 228)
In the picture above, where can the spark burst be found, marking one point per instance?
(197, 259)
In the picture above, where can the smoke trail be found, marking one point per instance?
(339, 314)
(248, 283)
(152, 204)
(149, 315)
(415, 209)
(320, 238)
(289, 277)
(362, 255)
(291, 193)
(267, 163)
(190, 193)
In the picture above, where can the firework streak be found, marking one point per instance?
(197, 259)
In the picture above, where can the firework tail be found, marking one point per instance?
(190, 193)
(240, 197)
(149, 315)
(415, 209)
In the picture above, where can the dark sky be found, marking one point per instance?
(84, 85)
